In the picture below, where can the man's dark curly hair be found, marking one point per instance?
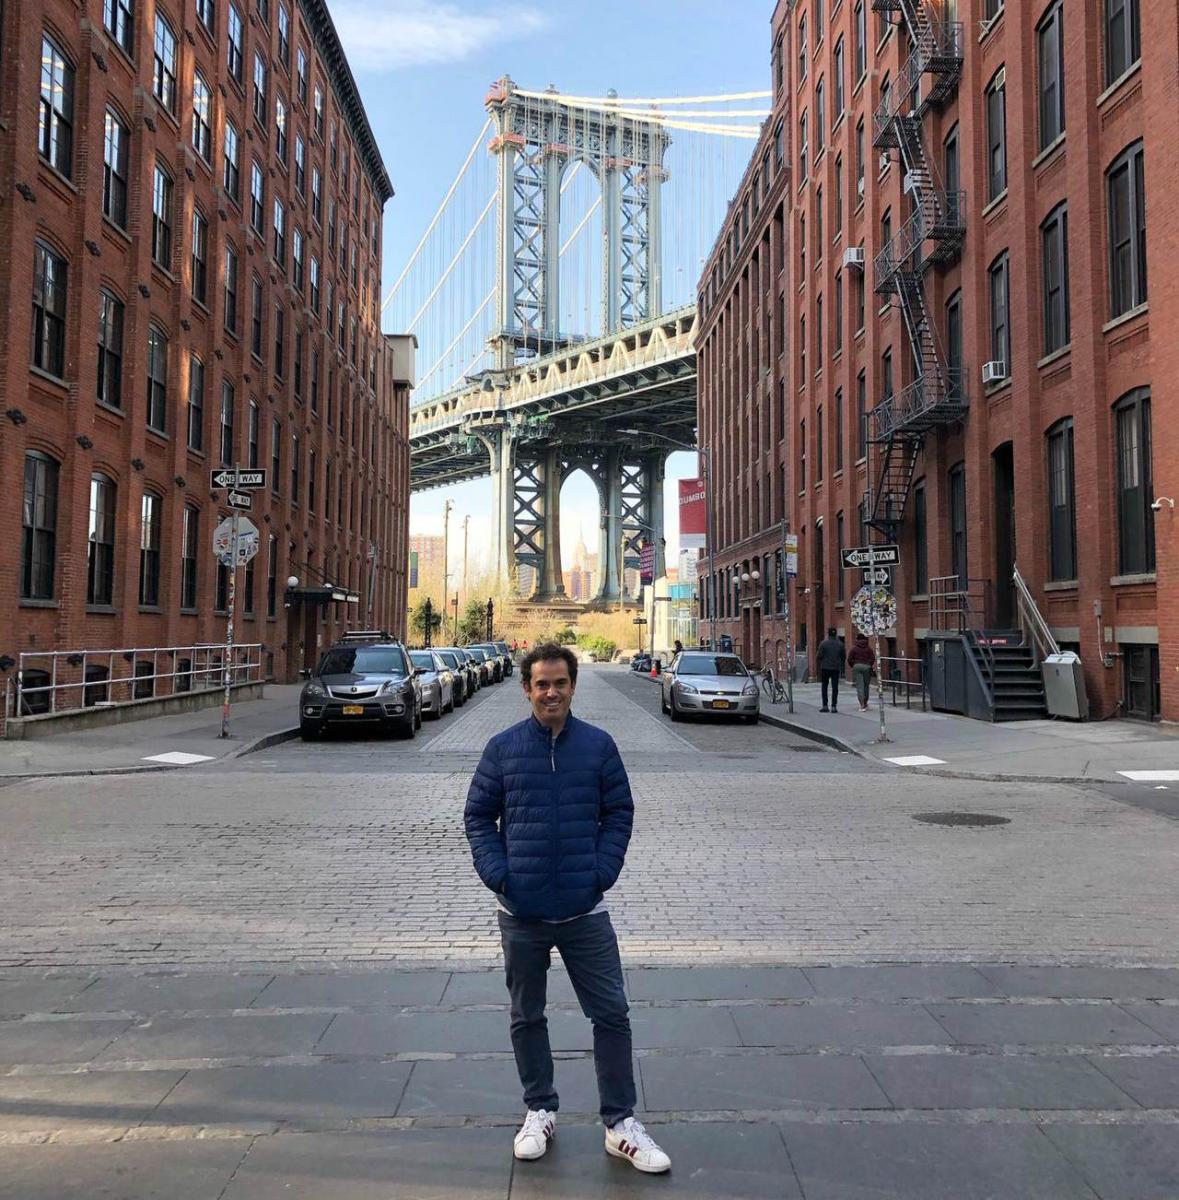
(548, 652)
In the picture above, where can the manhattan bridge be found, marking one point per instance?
(553, 299)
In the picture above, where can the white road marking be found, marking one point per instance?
(1150, 776)
(916, 760)
(178, 758)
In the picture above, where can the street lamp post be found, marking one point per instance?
(706, 455)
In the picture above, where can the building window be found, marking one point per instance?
(316, 195)
(284, 36)
(233, 162)
(958, 558)
(298, 365)
(202, 109)
(820, 117)
(314, 373)
(314, 288)
(1062, 505)
(837, 431)
(886, 374)
(318, 110)
(1123, 38)
(837, 96)
(803, 55)
(257, 196)
(997, 134)
(200, 250)
(802, 146)
(271, 576)
(860, 48)
(161, 218)
(920, 540)
(838, 313)
(50, 279)
(861, 415)
(189, 547)
(259, 89)
(157, 380)
(39, 527)
(150, 524)
(1135, 484)
(802, 455)
(300, 165)
(280, 348)
(301, 75)
(839, 193)
(955, 382)
(802, 351)
(256, 316)
(116, 141)
(1050, 50)
(280, 234)
(235, 43)
(819, 444)
(861, 288)
(118, 18)
(818, 334)
(206, 14)
(196, 403)
(110, 350)
(226, 438)
(860, 160)
(1054, 240)
(164, 64)
(1127, 231)
(1000, 312)
(230, 289)
(100, 566)
(840, 544)
(275, 455)
(295, 464)
(252, 435)
(1141, 693)
(280, 129)
(818, 225)
(55, 133)
(297, 258)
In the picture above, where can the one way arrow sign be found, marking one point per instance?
(227, 477)
(880, 556)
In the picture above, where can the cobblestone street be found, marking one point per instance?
(279, 977)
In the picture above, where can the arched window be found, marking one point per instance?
(1062, 504)
(1135, 483)
(150, 535)
(39, 527)
(100, 573)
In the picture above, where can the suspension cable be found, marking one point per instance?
(622, 102)
(457, 338)
(450, 267)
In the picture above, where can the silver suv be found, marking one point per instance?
(366, 679)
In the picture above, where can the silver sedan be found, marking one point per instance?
(437, 682)
(709, 684)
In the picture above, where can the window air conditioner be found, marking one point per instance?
(884, 161)
(853, 256)
(860, 187)
(994, 371)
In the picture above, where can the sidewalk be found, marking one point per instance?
(158, 743)
(948, 744)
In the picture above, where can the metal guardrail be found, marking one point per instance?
(905, 675)
(51, 681)
(1031, 621)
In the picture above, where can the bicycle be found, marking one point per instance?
(772, 686)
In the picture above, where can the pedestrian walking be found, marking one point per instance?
(830, 655)
(548, 817)
(862, 659)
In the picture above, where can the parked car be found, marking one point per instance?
(465, 676)
(709, 684)
(503, 662)
(509, 665)
(437, 681)
(490, 668)
(363, 680)
(472, 667)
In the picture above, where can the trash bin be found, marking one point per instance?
(1064, 686)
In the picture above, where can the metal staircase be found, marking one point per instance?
(932, 236)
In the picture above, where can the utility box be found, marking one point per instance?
(1064, 686)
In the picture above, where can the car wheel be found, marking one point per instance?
(417, 717)
(436, 710)
(408, 727)
(676, 715)
(663, 700)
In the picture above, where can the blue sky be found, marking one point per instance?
(424, 66)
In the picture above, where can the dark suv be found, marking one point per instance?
(366, 679)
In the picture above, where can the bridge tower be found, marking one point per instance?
(539, 136)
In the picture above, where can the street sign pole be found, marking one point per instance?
(789, 624)
(879, 669)
(229, 617)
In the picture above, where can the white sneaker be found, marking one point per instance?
(628, 1139)
(539, 1128)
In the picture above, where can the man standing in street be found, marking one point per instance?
(548, 817)
(830, 668)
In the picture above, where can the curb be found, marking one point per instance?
(262, 743)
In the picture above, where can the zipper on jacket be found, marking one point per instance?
(553, 751)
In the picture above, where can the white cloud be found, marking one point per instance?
(390, 34)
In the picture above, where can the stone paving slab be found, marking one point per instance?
(910, 981)
(471, 1164)
(1019, 1024)
(56, 1041)
(489, 987)
(687, 1028)
(120, 1171)
(344, 989)
(709, 1162)
(1122, 1162)
(164, 993)
(88, 1100)
(1153, 1080)
(491, 1087)
(930, 1162)
(302, 1096)
(1098, 983)
(853, 1023)
(717, 983)
(446, 1032)
(20, 996)
(1162, 1018)
(993, 1081)
(181, 1038)
(679, 1083)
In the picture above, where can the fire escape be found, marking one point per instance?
(931, 236)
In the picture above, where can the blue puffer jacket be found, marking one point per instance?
(549, 819)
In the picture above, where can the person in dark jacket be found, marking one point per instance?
(861, 659)
(548, 817)
(830, 655)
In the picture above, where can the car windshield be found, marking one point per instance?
(710, 664)
(364, 660)
(502, 647)
(477, 654)
(449, 657)
(422, 658)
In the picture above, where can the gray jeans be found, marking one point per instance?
(862, 674)
(589, 950)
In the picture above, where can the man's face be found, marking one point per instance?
(550, 692)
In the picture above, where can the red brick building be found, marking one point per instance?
(993, 387)
(190, 266)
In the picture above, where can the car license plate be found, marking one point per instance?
(354, 710)
(720, 704)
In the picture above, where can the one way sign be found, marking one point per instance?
(228, 477)
(880, 556)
